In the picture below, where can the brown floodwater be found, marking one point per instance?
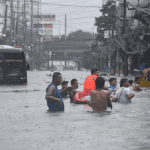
(25, 123)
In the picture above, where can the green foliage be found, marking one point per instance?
(105, 22)
(79, 34)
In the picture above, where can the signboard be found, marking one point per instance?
(18, 46)
(48, 25)
(40, 31)
(45, 17)
(107, 68)
(107, 34)
(48, 31)
(48, 38)
(38, 25)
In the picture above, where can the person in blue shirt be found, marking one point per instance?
(53, 96)
(113, 82)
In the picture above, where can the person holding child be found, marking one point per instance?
(113, 82)
(123, 94)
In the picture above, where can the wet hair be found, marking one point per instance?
(147, 65)
(56, 74)
(122, 81)
(99, 82)
(73, 81)
(112, 79)
(130, 82)
(94, 70)
(137, 78)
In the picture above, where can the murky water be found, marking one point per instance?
(25, 123)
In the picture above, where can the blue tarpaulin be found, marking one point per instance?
(142, 66)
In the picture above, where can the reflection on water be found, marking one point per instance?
(25, 121)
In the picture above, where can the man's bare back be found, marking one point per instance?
(99, 100)
(145, 72)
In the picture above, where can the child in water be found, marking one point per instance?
(137, 87)
(112, 88)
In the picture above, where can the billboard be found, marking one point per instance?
(38, 25)
(45, 17)
(45, 26)
(48, 25)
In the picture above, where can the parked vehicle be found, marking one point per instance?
(13, 68)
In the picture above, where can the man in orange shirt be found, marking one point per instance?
(89, 83)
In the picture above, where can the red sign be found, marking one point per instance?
(48, 25)
(18, 46)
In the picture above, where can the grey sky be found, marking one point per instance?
(77, 17)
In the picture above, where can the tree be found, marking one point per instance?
(78, 35)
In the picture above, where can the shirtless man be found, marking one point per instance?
(74, 84)
(137, 87)
(99, 97)
(146, 73)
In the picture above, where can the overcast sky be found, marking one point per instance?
(77, 17)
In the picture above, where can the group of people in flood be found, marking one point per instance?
(94, 90)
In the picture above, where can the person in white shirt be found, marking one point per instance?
(123, 94)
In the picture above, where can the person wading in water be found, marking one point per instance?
(89, 83)
(99, 97)
(74, 84)
(53, 96)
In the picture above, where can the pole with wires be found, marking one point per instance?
(139, 56)
(65, 28)
(11, 28)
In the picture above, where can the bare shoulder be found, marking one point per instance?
(106, 91)
(51, 88)
(93, 91)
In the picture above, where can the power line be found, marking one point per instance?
(67, 5)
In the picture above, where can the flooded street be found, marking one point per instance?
(25, 123)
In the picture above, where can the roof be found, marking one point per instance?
(7, 48)
(13, 50)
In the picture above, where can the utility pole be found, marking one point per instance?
(139, 56)
(126, 66)
(39, 22)
(14, 26)
(4, 32)
(65, 28)
(32, 32)
(59, 31)
(39, 42)
(110, 57)
(93, 32)
(24, 22)
(18, 4)
(11, 28)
